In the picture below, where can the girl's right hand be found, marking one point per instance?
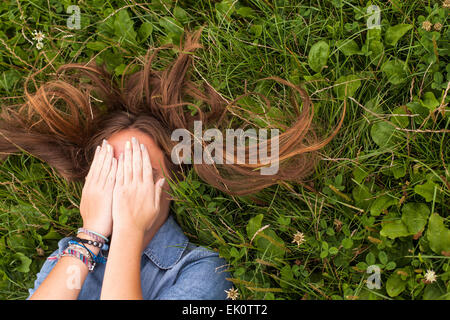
(136, 198)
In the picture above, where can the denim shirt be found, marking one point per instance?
(171, 268)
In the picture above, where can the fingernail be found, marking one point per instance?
(108, 146)
(104, 143)
(127, 145)
(97, 149)
(161, 182)
(133, 139)
(142, 147)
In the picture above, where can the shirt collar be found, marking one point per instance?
(167, 245)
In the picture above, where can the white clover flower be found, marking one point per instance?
(426, 25)
(39, 45)
(437, 26)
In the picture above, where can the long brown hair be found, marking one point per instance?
(64, 120)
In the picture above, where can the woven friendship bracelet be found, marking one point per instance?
(96, 236)
(78, 246)
(92, 256)
(76, 253)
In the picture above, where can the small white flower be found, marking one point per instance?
(299, 238)
(430, 276)
(38, 36)
(232, 294)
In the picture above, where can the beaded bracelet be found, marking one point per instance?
(96, 236)
(90, 242)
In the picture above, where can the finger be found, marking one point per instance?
(137, 160)
(106, 166)
(158, 191)
(99, 162)
(127, 165)
(119, 174)
(91, 168)
(112, 173)
(147, 169)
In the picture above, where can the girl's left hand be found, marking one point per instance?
(136, 198)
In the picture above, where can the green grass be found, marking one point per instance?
(380, 194)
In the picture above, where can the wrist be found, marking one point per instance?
(128, 232)
(98, 228)
(95, 250)
(132, 237)
(96, 232)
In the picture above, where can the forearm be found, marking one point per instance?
(65, 280)
(122, 279)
